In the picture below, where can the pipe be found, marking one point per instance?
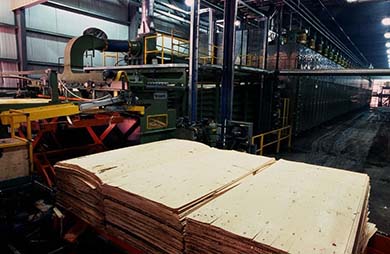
(147, 25)
(136, 67)
(317, 25)
(340, 44)
(346, 49)
(211, 5)
(117, 46)
(252, 9)
(320, 28)
(337, 72)
(342, 30)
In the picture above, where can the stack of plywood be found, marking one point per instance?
(148, 190)
(288, 208)
(79, 180)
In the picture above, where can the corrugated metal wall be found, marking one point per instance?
(8, 48)
(58, 21)
(6, 15)
(116, 9)
(50, 28)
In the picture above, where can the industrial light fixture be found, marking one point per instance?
(388, 51)
(387, 35)
(351, 1)
(189, 3)
(237, 23)
(386, 21)
(387, 44)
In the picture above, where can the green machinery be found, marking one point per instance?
(153, 93)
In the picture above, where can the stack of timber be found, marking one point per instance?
(79, 180)
(147, 191)
(288, 208)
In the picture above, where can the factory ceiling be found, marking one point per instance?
(357, 23)
(361, 21)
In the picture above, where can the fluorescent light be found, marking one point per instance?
(387, 44)
(387, 35)
(388, 51)
(189, 3)
(351, 1)
(386, 21)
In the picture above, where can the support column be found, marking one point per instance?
(260, 120)
(134, 19)
(265, 42)
(280, 21)
(194, 61)
(229, 36)
(20, 19)
(211, 33)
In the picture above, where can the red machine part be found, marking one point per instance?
(46, 127)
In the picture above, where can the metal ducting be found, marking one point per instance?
(147, 25)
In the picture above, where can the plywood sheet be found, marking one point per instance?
(294, 207)
(173, 173)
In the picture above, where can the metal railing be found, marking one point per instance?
(251, 60)
(285, 113)
(112, 56)
(209, 57)
(169, 46)
(284, 133)
(165, 45)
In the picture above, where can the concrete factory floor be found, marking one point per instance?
(360, 143)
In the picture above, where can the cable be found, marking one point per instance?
(321, 28)
(342, 30)
(75, 95)
(83, 99)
